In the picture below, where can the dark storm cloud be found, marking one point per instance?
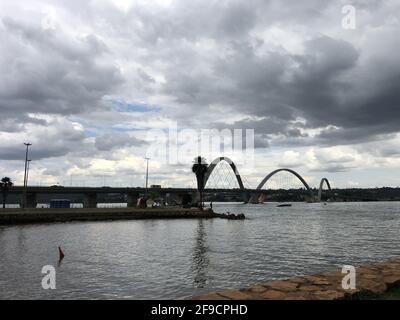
(111, 141)
(17, 152)
(265, 129)
(58, 137)
(289, 71)
(261, 141)
(317, 84)
(221, 20)
(278, 85)
(46, 71)
(17, 124)
(282, 87)
(354, 135)
(332, 168)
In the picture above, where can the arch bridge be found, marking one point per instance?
(321, 185)
(91, 196)
(255, 198)
(244, 194)
(213, 165)
(257, 195)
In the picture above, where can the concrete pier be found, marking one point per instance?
(23, 216)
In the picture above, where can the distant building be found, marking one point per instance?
(155, 186)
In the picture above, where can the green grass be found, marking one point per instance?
(392, 293)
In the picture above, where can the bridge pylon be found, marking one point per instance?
(321, 185)
(260, 197)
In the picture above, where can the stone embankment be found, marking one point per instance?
(21, 216)
(371, 280)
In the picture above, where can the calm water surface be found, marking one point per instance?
(157, 259)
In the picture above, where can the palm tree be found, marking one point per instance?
(200, 168)
(5, 185)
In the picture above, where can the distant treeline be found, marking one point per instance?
(369, 194)
(353, 194)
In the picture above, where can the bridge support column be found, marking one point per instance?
(90, 200)
(310, 199)
(31, 202)
(262, 198)
(246, 196)
(195, 198)
(132, 198)
(254, 199)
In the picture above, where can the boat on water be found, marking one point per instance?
(284, 205)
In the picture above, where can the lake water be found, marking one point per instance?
(157, 259)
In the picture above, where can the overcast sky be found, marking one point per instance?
(85, 81)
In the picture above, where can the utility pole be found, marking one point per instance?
(27, 144)
(147, 175)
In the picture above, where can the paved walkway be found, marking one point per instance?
(374, 279)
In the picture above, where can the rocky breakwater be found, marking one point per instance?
(231, 216)
(371, 281)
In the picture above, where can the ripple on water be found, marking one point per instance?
(162, 259)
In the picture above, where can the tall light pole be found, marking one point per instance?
(27, 171)
(147, 175)
(27, 144)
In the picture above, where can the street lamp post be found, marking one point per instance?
(26, 173)
(147, 175)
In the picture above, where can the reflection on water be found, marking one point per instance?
(162, 259)
(200, 257)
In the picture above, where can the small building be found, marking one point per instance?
(60, 204)
(155, 186)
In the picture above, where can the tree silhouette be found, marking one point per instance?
(200, 168)
(5, 185)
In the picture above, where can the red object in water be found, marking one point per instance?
(61, 253)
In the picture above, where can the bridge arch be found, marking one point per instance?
(321, 185)
(213, 164)
(264, 181)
